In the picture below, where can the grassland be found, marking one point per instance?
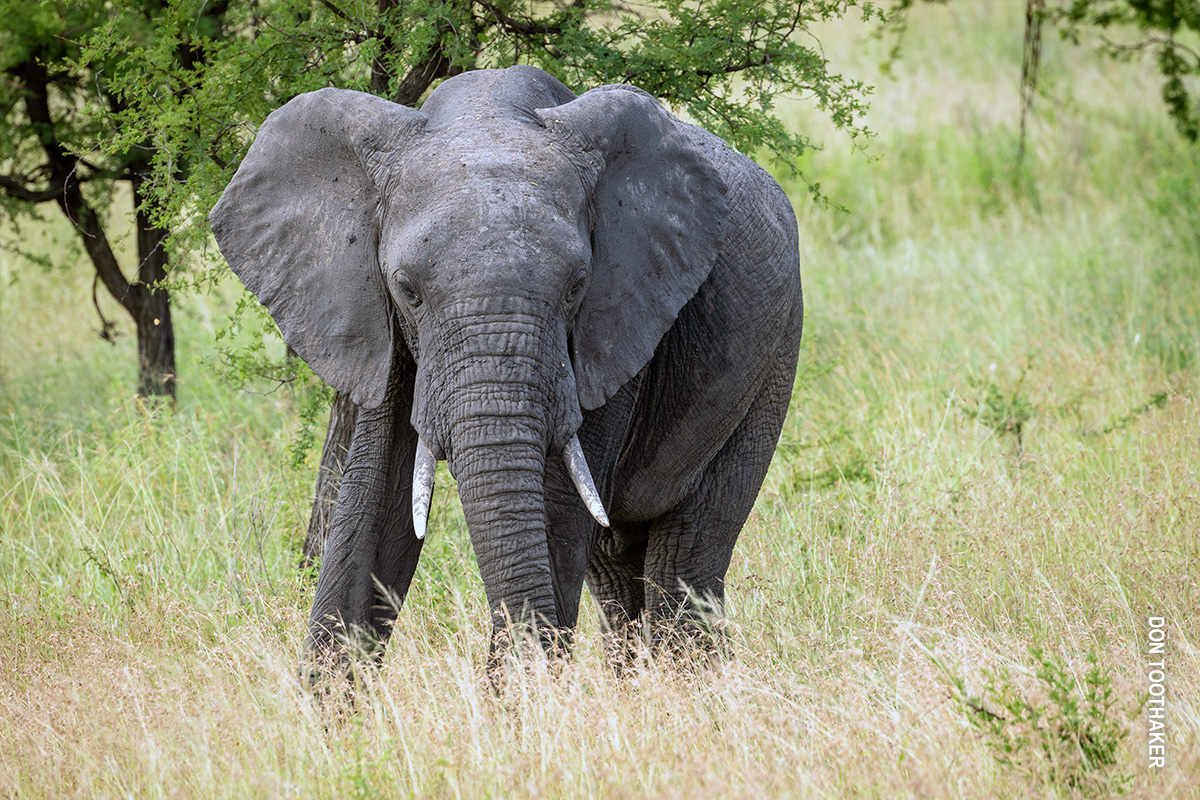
(993, 448)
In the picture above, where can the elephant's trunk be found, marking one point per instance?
(499, 410)
(500, 467)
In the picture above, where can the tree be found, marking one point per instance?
(1168, 29)
(54, 102)
(724, 63)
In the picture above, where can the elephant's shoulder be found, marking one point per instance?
(761, 231)
(751, 190)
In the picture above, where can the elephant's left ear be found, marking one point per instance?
(659, 211)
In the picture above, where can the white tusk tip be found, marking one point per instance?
(582, 478)
(424, 467)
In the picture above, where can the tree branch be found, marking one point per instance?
(337, 12)
(745, 64)
(525, 27)
(436, 65)
(62, 169)
(1148, 42)
(19, 190)
(528, 27)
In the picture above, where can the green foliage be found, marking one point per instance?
(1006, 410)
(249, 349)
(37, 41)
(315, 400)
(44, 59)
(724, 63)
(1168, 29)
(250, 354)
(1066, 734)
(1123, 421)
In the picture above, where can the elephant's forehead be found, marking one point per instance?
(498, 227)
(489, 174)
(470, 199)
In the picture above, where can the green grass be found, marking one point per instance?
(992, 451)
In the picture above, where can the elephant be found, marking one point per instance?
(588, 308)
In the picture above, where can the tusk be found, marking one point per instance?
(424, 468)
(578, 468)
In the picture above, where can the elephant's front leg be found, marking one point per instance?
(578, 544)
(372, 549)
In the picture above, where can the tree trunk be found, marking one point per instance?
(150, 304)
(343, 416)
(434, 66)
(145, 298)
(156, 345)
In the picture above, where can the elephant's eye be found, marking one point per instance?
(406, 291)
(575, 293)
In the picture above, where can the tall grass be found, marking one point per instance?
(992, 447)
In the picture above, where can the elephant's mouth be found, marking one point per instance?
(425, 467)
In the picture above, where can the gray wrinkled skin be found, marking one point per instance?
(506, 269)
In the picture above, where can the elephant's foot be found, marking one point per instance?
(339, 662)
(521, 651)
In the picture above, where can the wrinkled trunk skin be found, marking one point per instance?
(497, 416)
(500, 483)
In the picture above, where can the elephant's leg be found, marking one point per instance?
(616, 579)
(372, 550)
(689, 548)
(579, 547)
(398, 548)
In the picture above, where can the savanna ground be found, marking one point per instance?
(989, 470)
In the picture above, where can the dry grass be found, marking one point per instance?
(993, 446)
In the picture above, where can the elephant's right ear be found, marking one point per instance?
(299, 225)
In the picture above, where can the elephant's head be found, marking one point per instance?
(527, 248)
